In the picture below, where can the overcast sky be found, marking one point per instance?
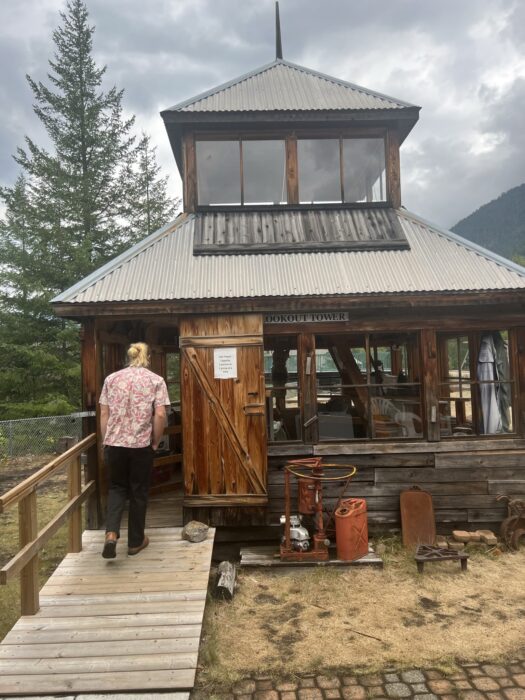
(462, 61)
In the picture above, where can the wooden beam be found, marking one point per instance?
(217, 501)
(518, 365)
(74, 490)
(430, 383)
(393, 169)
(21, 490)
(100, 475)
(215, 342)
(292, 175)
(88, 359)
(307, 382)
(88, 366)
(453, 304)
(190, 173)
(31, 548)
(28, 530)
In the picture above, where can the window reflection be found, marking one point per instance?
(283, 411)
(476, 384)
(364, 170)
(264, 172)
(218, 172)
(322, 177)
(319, 171)
(368, 394)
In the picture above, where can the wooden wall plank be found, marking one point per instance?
(490, 460)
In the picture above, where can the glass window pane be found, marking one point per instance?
(264, 172)
(493, 373)
(218, 172)
(282, 388)
(364, 170)
(172, 366)
(319, 171)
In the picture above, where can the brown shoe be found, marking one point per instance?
(136, 550)
(110, 546)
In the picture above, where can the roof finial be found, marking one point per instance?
(278, 44)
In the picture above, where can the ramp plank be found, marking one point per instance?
(152, 605)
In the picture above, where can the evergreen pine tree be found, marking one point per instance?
(81, 185)
(79, 203)
(38, 349)
(149, 204)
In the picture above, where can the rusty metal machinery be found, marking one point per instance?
(295, 545)
(512, 529)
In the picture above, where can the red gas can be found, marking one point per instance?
(351, 529)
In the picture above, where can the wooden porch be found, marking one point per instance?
(129, 624)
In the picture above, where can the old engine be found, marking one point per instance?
(299, 535)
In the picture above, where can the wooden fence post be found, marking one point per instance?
(74, 481)
(28, 531)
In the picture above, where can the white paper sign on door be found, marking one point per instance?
(225, 363)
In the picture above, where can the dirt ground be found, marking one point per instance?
(367, 619)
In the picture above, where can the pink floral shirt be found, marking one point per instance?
(131, 394)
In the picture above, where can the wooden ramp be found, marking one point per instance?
(127, 624)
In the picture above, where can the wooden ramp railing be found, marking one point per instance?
(130, 624)
(25, 562)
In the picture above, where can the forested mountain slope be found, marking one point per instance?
(498, 225)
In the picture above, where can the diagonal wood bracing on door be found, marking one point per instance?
(240, 450)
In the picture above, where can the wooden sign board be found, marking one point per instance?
(308, 317)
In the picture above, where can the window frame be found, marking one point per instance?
(474, 344)
(290, 139)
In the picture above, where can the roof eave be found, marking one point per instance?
(412, 299)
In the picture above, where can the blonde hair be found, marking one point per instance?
(138, 355)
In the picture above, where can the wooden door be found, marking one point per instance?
(223, 419)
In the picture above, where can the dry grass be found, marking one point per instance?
(367, 619)
(51, 497)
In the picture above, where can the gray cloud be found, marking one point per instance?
(463, 62)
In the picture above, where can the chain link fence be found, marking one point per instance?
(35, 436)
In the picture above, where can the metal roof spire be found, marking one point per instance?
(278, 44)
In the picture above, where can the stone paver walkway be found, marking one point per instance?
(479, 681)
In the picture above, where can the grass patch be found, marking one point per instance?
(51, 497)
(366, 619)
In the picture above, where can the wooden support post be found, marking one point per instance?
(518, 370)
(90, 359)
(430, 383)
(74, 479)
(28, 531)
(308, 396)
(393, 169)
(292, 170)
(190, 173)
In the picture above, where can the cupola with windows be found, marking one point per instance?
(284, 136)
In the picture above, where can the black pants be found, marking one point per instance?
(129, 477)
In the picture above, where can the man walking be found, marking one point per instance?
(132, 420)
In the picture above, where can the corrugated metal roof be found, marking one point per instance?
(282, 85)
(163, 267)
(294, 231)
